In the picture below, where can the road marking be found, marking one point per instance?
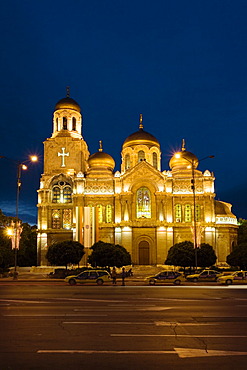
(181, 352)
(167, 323)
(51, 315)
(191, 352)
(21, 301)
(179, 335)
(107, 323)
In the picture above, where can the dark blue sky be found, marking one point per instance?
(182, 64)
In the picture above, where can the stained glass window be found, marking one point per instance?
(67, 213)
(56, 218)
(187, 213)
(56, 194)
(178, 213)
(67, 194)
(143, 203)
(62, 192)
(100, 213)
(108, 213)
(198, 212)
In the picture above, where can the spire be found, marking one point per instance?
(140, 121)
(100, 146)
(183, 145)
(68, 92)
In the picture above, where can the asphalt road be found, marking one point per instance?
(57, 326)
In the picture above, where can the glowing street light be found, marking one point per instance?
(15, 233)
(193, 164)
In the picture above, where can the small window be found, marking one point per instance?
(56, 194)
(141, 156)
(74, 124)
(64, 123)
(178, 213)
(108, 213)
(155, 160)
(127, 161)
(100, 213)
(56, 219)
(187, 213)
(198, 212)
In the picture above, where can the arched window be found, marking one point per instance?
(64, 123)
(127, 161)
(108, 212)
(100, 213)
(74, 124)
(57, 124)
(198, 212)
(155, 160)
(141, 156)
(187, 213)
(61, 192)
(55, 194)
(143, 203)
(178, 213)
(67, 194)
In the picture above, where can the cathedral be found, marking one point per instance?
(141, 207)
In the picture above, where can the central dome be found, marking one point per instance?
(141, 137)
(68, 103)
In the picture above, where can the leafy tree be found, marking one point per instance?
(109, 255)
(64, 253)
(27, 254)
(238, 256)
(242, 231)
(181, 254)
(206, 255)
(6, 252)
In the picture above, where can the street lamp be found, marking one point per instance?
(17, 227)
(193, 164)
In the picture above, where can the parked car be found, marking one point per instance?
(205, 275)
(165, 277)
(237, 277)
(89, 276)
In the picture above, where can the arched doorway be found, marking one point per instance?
(144, 253)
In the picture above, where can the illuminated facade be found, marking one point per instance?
(140, 207)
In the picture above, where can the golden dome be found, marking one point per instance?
(68, 103)
(101, 159)
(183, 159)
(141, 137)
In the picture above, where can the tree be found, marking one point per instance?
(206, 255)
(64, 253)
(109, 255)
(181, 254)
(27, 254)
(238, 256)
(242, 231)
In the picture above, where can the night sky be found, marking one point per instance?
(182, 64)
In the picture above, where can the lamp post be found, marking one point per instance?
(193, 164)
(17, 227)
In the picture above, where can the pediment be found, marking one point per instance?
(142, 170)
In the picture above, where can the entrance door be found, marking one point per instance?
(144, 253)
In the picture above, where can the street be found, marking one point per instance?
(56, 326)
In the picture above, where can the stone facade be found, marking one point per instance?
(144, 209)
